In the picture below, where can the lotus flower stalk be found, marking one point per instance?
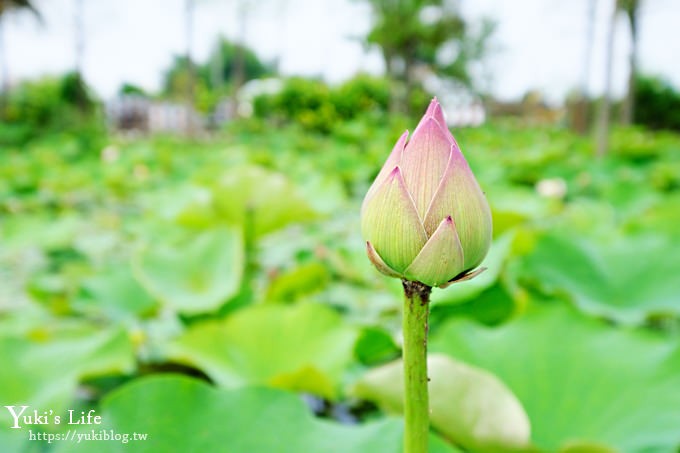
(425, 220)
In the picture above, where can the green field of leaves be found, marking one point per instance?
(216, 295)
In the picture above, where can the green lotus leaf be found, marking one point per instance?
(303, 347)
(625, 278)
(43, 363)
(116, 293)
(181, 414)
(293, 284)
(469, 290)
(196, 274)
(580, 380)
(259, 199)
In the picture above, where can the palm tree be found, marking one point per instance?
(191, 71)
(631, 8)
(581, 115)
(79, 36)
(588, 54)
(605, 104)
(5, 7)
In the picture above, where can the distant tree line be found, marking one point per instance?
(416, 38)
(227, 68)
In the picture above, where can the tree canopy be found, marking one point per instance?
(218, 69)
(419, 37)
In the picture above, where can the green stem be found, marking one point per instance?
(416, 403)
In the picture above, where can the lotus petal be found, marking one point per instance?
(434, 111)
(392, 161)
(441, 259)
(460, 196)
(424, 162)
(469, 275)
(379, 263)
(391, 223)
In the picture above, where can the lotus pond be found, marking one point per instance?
(215, 294)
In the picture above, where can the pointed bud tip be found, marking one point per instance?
(403, 138)
(434, 104)
(433, 124)
(434, 110)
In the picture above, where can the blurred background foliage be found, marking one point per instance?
(147, 272)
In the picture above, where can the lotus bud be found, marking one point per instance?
(425, 218)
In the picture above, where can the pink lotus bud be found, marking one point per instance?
(425, 218)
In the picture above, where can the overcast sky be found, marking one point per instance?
(538, 44)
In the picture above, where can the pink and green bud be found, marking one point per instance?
(425, 218)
